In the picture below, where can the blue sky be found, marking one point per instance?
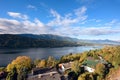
(84, 19)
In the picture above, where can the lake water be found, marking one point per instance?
(7, 55)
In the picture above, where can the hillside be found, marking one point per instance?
(104, 67)
(46, 40)
(49, 37)
(29, 40)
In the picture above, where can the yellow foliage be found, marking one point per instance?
(20, 63)
(76, 66)
(10, 67)
(42, 63)
(100, 69)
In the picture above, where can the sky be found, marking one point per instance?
(83, 19)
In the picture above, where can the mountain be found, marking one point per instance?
(49, 37)
(62, 38)
(106, 41)
(46, 40)
(30, 40)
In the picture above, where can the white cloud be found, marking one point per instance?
(13, 26)
(80, 14)
(17, 15)
(112, 22)
(100, 31)
(91, 31)
(66, 25)
(80, 11)
(38, 23)
(59, 20)
(68, 19)
(55, 14)
(18, 27)
(94, 20)
(31, 7)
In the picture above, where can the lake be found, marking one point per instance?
(7, 55)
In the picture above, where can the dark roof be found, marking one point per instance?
(36, 71)
(54, 76)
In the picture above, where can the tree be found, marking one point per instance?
(76, 67)
(10, 67)
(100, 69)
(83, 56)
(12, 75)
(22, 65)
(42, 64)
(86, 76)
(51, 61)
(36, 62)
(2, 69)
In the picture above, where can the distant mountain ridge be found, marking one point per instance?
(49, 36)
(30, 41)
(46, 40)
(106, 41)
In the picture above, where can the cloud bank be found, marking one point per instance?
(65, 25)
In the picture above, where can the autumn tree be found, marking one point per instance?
(51, 61)
(22, 65)
(12, 75)
(42, 64)
(100, 69)
(76, 67)
(36, 62)
(83, 56)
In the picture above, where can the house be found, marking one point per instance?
(90, 63)
(51, 73)
(89, 69)
(37, 70)
(61, 68)
(46, 76)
